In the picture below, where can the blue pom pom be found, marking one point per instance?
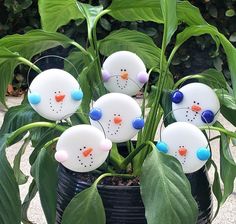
(207, 116)
(95, 114)
(203, 154)
(34, 98)
(138, 123)
(76, 95)
(177, 96)
(162, 147)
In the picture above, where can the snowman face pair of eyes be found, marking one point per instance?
(35, 98)
(96, 114)
(207, 116)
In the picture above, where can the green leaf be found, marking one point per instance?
(26, 45)
(28, 198)
(89, 12)
(17, 117)
(21, 178)
(228, 105)
(10, 204)
(132, 10)
(86, 207)
(217, 36)
(211, 77)
(189, 14)
(133, 41)
(216, 188)
(56, 13)
(166, 192)
(168, 8)
(44, 171)
(227, 165)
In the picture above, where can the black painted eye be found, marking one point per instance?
(125, 70)
(197, 103)
(121, 70)
(84, 147)
(80, 149)
(114, 114)
(194, 101)
(55, 92)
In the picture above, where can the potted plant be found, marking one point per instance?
(165, 190)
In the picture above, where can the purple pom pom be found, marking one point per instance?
(142, 77)
(105, 75)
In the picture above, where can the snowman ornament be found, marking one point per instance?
(124, 72)
(82, 148)
(55, 94)
(118, 115)
(195, 103)
(186, 143)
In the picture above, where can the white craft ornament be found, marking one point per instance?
(55, 94)
(124, 72)
(195, 103)
(82, 148)
(186, 143)
(118, 115)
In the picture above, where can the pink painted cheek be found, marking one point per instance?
(106, 145)
(61, 156)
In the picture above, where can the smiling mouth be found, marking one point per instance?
(194, 115)
(181, 159)
(112, 132)
(85, 164)
(119, 84)
(53, 108)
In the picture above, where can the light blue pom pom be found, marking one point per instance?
(77, 95)
(162, 147)
(34, 98)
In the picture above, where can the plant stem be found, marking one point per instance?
(111, 175)
(51, 142)
(222, 130)
(77, 45)
(30, 126)
(29, 63)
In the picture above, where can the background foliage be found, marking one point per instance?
(21, 16)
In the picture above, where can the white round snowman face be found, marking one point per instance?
(186, 143)
(82, 148)
(55, 94)
(124, 72)
(118, 115)
(195, 103)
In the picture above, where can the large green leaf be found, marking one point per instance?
(17, 117)
(44, 171)
(10, 204)
(217, 36)
(168, 8)
(227, 165)
(28, 198)
(89, 12)
(216, 188)
(166, 192)
(21, 178)
(189, 14)
(132, 10)
(56, 13)
(134, 41)
(86, 207)
(26, 45)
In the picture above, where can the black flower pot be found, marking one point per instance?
(123, 204)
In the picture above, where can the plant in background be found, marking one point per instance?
(143, 160)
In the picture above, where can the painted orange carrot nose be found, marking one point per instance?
(196, 108)
(59, 97)
(117, 120)
(124, 75)
(183, 151)
(87, 151)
